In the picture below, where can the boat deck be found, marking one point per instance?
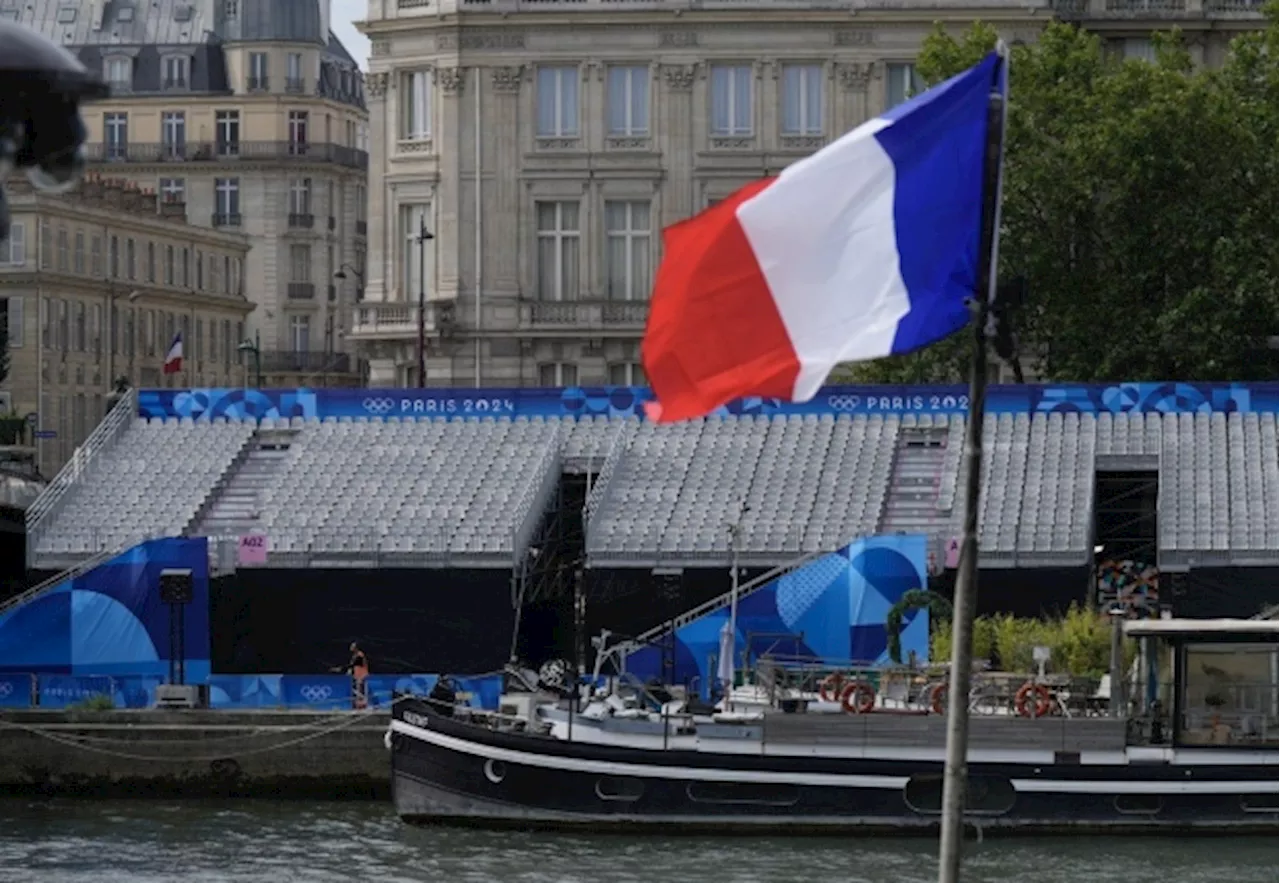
(930, 731)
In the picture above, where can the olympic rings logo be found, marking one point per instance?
(379, 406)
(844, 403)
(316, 693)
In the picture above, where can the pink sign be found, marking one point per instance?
(253, 549)
(953, 552)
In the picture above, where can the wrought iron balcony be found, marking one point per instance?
(224, 219)
(307, 362)
(228, 152)
(295, 85)
(1158, 9)
(584, 314)
(301, 221)
(302, 291)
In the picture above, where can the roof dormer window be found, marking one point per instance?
(174, 71)
(119, 73)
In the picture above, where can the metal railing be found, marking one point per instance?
(46, 506)
(75, 570)
(617, 448)
(228, 152)
(532, 504)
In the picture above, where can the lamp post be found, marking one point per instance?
(254, 346)
(422, 238)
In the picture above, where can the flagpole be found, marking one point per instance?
(956, 773)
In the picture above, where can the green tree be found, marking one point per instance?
(1139, 204)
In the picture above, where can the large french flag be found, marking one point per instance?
(868, 248)
(173, 358)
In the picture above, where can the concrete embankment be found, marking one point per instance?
(195, 753)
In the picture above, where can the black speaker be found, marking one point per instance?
(177, 587)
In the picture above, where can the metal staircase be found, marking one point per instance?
(912, 502)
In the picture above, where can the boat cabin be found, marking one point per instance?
(1224, 689)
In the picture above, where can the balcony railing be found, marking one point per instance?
(302, 290)
(1140, 9)
(226, 219)
(301, 221)
(308, 362)
(526, 6)
(228, 152)
(295, 85)
(584, 313)
(391, 320)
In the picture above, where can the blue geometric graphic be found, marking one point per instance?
(619, 401)
(110, 621)
(832, 610)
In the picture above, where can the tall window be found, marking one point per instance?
(95, 256)
(64, 250)
(130, 259)
(115, 133)
(412, 219)
(77, 254)
(46, 245)
(558, 101)
(300, 196)
(626, 374)
(558, 374)
(627, 257)
(199, 270)
(226, 125)
(119, 73)
(802, 99)
(257, 71)
(13, 251)
(186, 268)
(175, 72)
(169, 265)
(362, 207)
(173, 190)
(731, 111)
(293, 72)
(901, 82)
(415, 112)
(299, 263)
(628, 100)
(151, 262)
(1140, 48)
(226, 193)
(78, 342)
(113, 256)
(300, 333)
(558, 245)
(298, 120)
(173, 133)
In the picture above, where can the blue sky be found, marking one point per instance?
(343, 13)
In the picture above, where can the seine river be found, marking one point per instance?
(145, 841)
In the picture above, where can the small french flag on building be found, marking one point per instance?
(173, 358)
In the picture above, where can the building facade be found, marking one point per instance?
(95, 285)
(544, 146)
(250, 115)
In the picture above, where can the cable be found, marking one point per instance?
(257, 731)
(353, 718)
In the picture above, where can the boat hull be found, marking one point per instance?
(448, 772)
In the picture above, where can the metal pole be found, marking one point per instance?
(956, 774)
(479, 234)
(257, 356)
(1117, 662)
(423, 236)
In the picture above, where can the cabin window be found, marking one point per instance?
(743, 792)
(1229, 694)
(988, 795)
(1139, 804)
(619, 788)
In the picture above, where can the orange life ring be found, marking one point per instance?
(830, 688)
(938, 698)
(1040, 707)
(858, 698)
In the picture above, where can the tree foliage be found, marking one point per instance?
(1139, 204)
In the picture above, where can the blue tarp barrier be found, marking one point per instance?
(244, 691)
(484, 691)
(316, 691)
(381, 687)
(15, 690)
(59, 691)
(135, 692)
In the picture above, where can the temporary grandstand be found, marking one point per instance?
(537, 486)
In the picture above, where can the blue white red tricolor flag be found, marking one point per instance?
(173, 358)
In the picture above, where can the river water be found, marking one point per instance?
(146, 841)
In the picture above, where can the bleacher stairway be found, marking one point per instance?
(232, 508)
(912, 504)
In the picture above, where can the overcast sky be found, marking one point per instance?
(343, 13)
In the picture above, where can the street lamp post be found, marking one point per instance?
(423, 237)
(254, 346)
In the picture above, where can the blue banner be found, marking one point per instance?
(59, 691)
(15, 690)
(620, 401)
(382, 687)
(245, 691)
(316, 691)
(135, 692)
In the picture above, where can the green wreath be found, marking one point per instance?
(914, 599)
